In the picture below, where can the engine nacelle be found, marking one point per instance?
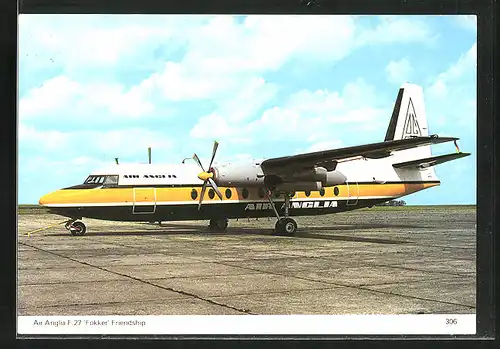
(242, 175)
(319, 174)
(299, 186)
(251, 175)
(315, 174)
(334, 178)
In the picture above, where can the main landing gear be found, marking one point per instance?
(284, 225)
(76, 228)
(219, 224)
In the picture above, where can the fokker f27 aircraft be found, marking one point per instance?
(315, 183)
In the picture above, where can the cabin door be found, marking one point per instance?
(144, 201)
(352, 193)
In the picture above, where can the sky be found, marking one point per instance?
(96, 87)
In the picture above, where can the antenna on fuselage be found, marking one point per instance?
(149, 154)
(116, 160)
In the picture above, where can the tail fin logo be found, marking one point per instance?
(411, 127)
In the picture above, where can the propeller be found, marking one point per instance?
(207, 176)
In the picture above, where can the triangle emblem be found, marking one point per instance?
(411, 127)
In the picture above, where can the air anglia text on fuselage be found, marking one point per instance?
(305, 204)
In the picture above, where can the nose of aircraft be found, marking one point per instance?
(51, 198)
(44, 200)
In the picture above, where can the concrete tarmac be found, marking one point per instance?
(411, 260)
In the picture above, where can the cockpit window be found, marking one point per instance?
(106, 180)
(111, 180)
(94, 180)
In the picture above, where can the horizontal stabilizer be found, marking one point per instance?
(427, 162)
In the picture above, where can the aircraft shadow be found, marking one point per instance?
(303, 232)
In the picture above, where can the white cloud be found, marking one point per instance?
(451, 98)
(399, 72)
(54, 95)
(468, 22)
(223, 63)
(61, 98)
(211, 126)
(179, 82)
(81, 41)
(222, 53)
(397, 29)
(254, 93)
(265, 42)
(324, 145)
(466, 65)
(307, 116)
(127, 142)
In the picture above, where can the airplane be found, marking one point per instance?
(315, 183)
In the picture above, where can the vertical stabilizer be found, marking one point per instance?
(409, 119)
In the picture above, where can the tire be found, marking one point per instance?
(78, 229)
(278, 227)
(218, 224)
(286, 226)
(289, 226)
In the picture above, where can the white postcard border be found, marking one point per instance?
(422, 324)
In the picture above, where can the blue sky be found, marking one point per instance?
(96, 87)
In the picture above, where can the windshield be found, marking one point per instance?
(107, 180)
(95, 180)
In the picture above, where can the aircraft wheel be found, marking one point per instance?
(286, 226)
(78, 229)
(218, 224)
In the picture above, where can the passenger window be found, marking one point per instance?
(194, 194)
(211, 193)
(245, 193)
(228, 193)
(174, 176)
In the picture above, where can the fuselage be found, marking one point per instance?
(150, 192)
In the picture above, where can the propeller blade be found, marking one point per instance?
(203, 189)
(216, 145)
(197, 159)
(212, 183)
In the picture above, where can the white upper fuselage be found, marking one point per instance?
(356, 170)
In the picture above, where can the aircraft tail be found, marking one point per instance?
(409, 120)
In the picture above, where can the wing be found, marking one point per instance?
(329, 158)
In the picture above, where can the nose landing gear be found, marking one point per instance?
(76, 228)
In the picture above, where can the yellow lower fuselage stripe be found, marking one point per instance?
(182, 195)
